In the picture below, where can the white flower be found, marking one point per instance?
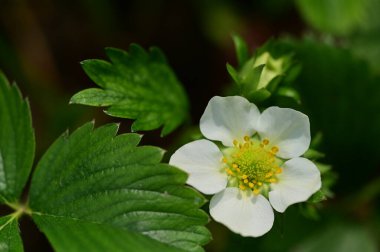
(260, 161)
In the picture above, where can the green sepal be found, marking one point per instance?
(263, 73)
(233, 73)
(241, 49)
(259, 95)
(250, 77)
(290, 93)
(313, 154)
(272, 85)
(317, 197)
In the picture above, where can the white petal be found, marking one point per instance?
(298, 181)
(246, 215)
(286, 128)
(229, 118)
(201, 159)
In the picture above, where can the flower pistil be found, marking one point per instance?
(252, 164)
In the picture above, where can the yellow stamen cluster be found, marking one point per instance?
(253, 164)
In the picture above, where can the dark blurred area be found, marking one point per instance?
(42, 43)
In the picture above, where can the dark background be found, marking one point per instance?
(42, 43)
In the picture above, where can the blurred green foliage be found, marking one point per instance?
(355, 22)
(340, 95)
(340, 17)
(339, 237)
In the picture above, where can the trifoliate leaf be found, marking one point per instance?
(16, 142)
(95, 180)
(136, 85)
(10, 240)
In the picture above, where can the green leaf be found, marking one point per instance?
(67, 234)
(10, 235)
(136, 85)
(17, 142)
(94, 176)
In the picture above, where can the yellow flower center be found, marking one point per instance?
(252, 164)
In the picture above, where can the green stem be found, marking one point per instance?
(15, 215)
(20, 209)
